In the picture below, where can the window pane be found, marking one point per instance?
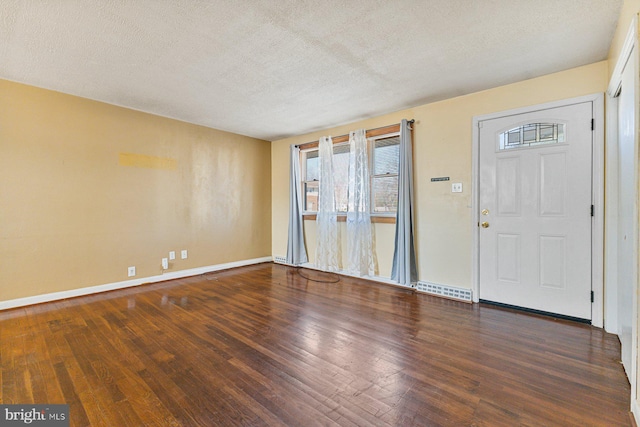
(312, 166)
(341, 176)
(385, 194)
(513, 137)
(311, 196)
(386, 154)
(529, 133)
(546, 131)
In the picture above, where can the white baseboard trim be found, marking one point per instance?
(635, 410)
(379, 279)
(55, 296)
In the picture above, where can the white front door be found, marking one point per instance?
(535, 202)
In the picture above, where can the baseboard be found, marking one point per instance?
(635, 412)
(378, 279)
(55, 296)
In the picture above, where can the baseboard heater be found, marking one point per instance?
(445, 291)
(280, 260)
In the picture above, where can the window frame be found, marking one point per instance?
(385, 217)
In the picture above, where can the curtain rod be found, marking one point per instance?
(412, 121)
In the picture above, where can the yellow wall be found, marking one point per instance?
(442, 147)
(629, 9)
(88, 189)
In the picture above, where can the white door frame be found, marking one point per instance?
(611, 217)
(625, 59)
(597, 224)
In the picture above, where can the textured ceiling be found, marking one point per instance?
(271, 69)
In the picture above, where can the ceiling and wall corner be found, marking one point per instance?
(628, 11)
(275, 69)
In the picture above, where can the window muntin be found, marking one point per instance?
(383, 167)
(532, 134)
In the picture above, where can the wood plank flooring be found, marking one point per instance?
(260, 345)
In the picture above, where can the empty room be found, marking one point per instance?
(347, 213)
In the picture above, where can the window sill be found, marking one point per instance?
(383, 219)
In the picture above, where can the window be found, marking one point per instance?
(384, 154)
(384, 174)
(532, 134)
(311, 173)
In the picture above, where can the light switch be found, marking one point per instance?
(456, 187)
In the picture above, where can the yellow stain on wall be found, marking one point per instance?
(144, 161)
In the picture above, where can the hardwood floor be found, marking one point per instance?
(260, 345)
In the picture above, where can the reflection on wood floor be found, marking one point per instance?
(260, 345)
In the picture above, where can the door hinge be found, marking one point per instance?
(592, 297)
(593, 209)
(593, 124)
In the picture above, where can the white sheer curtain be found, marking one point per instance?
(327, 219)
(359, 233)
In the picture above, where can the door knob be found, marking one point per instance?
(485, 224)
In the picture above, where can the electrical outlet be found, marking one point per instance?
(172, 255)
(456, 187)
(131, 271)
(165, 263)
(183, 254)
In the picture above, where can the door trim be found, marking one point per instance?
(597, 185)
